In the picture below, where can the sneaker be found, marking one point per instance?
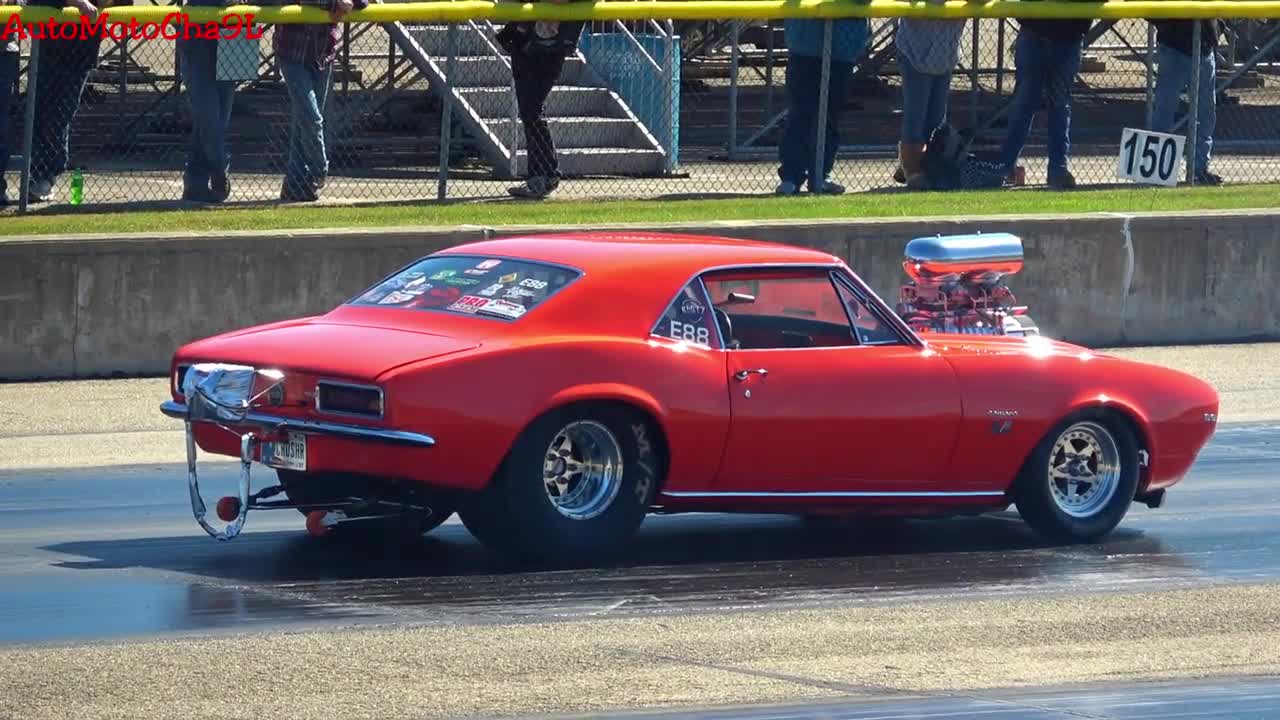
(1062, 180)
(535, 188)
(297, 192)
(198, 195)
(1017, 176)
(826, 187)
(40, 191)
(1208, 178)
(786, 187)
(220, 187)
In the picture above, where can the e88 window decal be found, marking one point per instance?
(687, 319)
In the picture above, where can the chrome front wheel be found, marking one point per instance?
(1080, 480)
(1084, 469)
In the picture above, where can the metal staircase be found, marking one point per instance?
(595, 131)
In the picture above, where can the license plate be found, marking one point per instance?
(290, 455)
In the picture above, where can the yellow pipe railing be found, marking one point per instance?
(462, 10)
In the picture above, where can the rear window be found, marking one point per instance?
(469, 285)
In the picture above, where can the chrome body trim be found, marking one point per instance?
(316, 427)
(832, 494)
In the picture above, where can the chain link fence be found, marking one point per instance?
(645, 109)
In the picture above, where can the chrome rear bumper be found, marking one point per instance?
(267, 424)
(315, 427)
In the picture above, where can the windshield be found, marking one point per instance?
(500, 288)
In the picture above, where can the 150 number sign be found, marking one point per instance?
(1150, 157)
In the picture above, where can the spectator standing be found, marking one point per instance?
(9, 50)
(205, 178)
(305, 54)
(1046, 59)
(1174, 62)
(538, 51)
(928, 50)
(797, 150)
(65, 64)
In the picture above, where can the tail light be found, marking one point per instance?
(336, 398)
(179, 373)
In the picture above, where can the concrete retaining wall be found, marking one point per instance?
(98, 306)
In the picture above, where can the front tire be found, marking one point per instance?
(578, 482)
(1080, 480)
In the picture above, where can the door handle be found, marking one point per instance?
(743, 374)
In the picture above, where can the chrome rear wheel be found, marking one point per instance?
(582, 469)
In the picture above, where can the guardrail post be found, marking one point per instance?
(733, 89)
(1193, 114)
(1151, 76)
(28, 124)
(446, 114)
(820, 141)
(670, 93)
(974, 99)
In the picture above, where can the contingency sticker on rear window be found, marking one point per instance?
(505, 308)
(469, 304)
(497, 288)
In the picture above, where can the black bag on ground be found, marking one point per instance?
(948, 165)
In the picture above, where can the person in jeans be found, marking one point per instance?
(538, 51)
(304, 54)
(8, 77)
(928, 51)
(205, 178)
(65, 64)
(1046, 59)
(798, 148)
(1174, 61)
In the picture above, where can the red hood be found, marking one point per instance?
(327, 348)
(957, 344)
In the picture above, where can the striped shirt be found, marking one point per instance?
(930, 45)
(308, 44)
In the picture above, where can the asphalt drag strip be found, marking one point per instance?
(99, 554)
(117, 605)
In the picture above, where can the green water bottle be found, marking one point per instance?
(77, 186)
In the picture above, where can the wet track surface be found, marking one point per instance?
(105, 553)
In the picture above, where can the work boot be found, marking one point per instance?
(911, 155)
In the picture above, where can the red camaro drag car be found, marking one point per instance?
(553, 390)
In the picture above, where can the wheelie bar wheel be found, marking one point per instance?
(225, 507)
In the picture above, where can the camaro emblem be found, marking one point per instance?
(1003, 420)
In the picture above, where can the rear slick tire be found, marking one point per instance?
(577, 484)
(1080, 480)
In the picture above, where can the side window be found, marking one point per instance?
(779, 310)
(869, 329)
(688, 318)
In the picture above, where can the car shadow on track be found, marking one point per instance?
(772, 549)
